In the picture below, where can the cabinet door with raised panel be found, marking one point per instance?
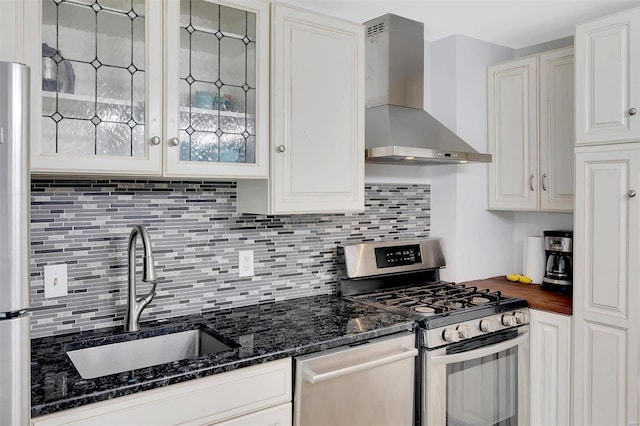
(550, 363)
(96, 69)
(556, 130)
(216, 88)
(607, 81)
(513, 135)
(606, 294)
(317, 149)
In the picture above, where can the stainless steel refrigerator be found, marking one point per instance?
(15, 356)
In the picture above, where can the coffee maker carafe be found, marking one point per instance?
(558, 247)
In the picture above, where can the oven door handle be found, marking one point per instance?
(481, 352)
(312, 377)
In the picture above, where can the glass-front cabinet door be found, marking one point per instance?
(150, 87)
(216, 88)
(96, 105)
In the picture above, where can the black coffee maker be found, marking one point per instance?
(558, 247)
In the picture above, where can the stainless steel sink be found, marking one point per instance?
(98, 361)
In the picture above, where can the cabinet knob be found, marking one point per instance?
(631, 193)
(544, 181)
(174, 142)
(632, 111)
(281, 148)
(155, 140)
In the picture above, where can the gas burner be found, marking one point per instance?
(424, 310)
(477, 300)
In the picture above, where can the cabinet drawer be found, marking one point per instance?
(274, 416)
(201, 401)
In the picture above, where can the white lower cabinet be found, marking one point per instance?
(606, 249)
(259, 394)
(550, 363)
(276, 416)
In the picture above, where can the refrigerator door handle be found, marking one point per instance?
(15, 374)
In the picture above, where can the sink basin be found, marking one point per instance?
(98, 361)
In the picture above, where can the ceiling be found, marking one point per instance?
(511, 23)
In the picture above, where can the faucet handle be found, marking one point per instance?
(149, 270)
(145, 300)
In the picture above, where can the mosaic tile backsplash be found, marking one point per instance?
(196, 235)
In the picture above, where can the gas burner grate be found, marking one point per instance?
(436, 298)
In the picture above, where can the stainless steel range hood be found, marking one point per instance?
(397, 129)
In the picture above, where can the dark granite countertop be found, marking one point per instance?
(259, 333)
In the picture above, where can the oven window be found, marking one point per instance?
(484, 391)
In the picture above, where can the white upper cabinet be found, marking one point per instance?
(95, 73)
(556, 130)
(317, 120)
(196, 89)
(216, 88)
(177, 88)
(531, 133)
(513, 134)
(608, 79)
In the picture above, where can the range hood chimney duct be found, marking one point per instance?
(397, 129)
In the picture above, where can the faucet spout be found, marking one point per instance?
(136, 304)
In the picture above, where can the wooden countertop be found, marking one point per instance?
(544, 300)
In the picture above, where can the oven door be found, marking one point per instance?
(480, 382)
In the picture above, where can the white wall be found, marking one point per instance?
(444, 193)
(544, 47)
(534, 224)
(483, 236)
(478, 242)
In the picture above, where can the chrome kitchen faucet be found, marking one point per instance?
(135, 304)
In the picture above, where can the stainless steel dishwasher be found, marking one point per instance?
(368, 384)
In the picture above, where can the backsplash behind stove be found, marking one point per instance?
(196, 235)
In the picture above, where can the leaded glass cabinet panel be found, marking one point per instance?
(217, 88)
(98, 60)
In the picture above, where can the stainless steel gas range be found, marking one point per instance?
(473, 367)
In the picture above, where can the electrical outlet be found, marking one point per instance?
(245, 263)
(55, 281)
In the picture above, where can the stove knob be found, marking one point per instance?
(451, 335)
(508, 320)
(520, 318)
(464, 331)
(486, 326)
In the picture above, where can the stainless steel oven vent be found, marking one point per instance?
(375, 29)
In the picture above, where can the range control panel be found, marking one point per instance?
(387, 257)
(469, 329)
